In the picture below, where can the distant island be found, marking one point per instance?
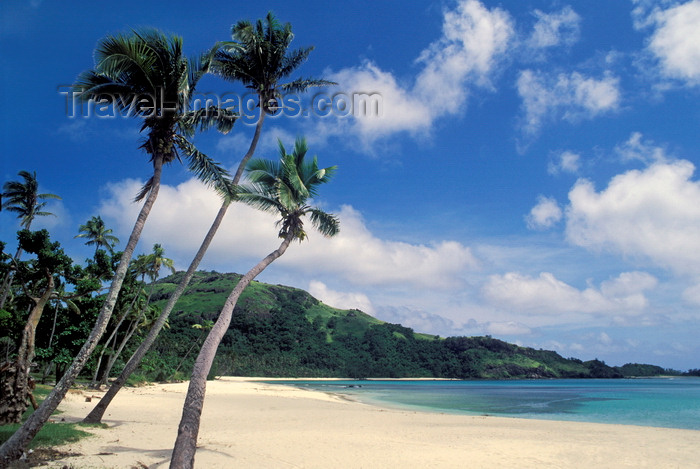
(280, 331)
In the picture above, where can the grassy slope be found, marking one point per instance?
(486, 357)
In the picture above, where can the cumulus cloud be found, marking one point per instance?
(183, 213)
(554, 29)
(675, 41)
(361, 258)
(340, 300)
(418, 320)
(565, 162)
(547, 295)
(473, 42)
(652, 213)
(401, 109)
(571, 97)
(545, 214)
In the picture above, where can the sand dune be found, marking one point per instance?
(253, 425)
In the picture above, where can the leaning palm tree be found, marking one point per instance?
(258, 56)
(143, 75)
(22, 198)
(97, 234)
(284, 188)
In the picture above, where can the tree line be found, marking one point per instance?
(285, 332)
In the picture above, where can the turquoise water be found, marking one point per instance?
(656, 402)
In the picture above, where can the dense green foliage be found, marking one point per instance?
(283, 331)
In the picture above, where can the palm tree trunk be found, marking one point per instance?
(186, 442)
(15, 381)
(95, 416)
(93, 383)
(13, 448)
(113, 359)
(47, 371)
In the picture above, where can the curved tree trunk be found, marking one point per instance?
(15, 382)
(13, 448)
(95, 416)
(186, 442)
(7, 281)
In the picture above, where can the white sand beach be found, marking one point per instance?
(254, 425)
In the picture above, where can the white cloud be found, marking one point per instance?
(507, 328)
(361, 258)
(637, 149)
(418, 320)
(402, 110)
(692, 295)
(676, 40)
(340, 300)
(566, 162)
(473, 42)
(568, 96)
(183, 213)
(553, 29)
(76, 130)
(652, 213)
(547, 295)
(545, 214)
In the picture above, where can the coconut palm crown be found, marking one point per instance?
(24, 199)
(146, 75)
(284, 187)
(97, 234)
(259, 57)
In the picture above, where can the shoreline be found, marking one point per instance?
(248, 423)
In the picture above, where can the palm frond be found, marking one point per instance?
(263, 171)
(326, 223)
(204, 168)
(302, 84)
(144, 190)
(206, 118)
(285, 186)
(259, 197)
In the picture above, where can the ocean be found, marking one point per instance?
(672, 402)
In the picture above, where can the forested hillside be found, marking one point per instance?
(283, 331)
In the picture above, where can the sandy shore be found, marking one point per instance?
(253, 425)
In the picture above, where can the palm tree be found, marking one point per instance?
(283, 188)
(259, 57)
(146, 76)
(24, 199)
(97, 234)
(156, 261)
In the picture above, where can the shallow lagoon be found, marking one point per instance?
(658, 402)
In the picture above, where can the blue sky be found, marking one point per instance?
(532, 174)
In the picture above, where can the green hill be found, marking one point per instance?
(283, 331)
